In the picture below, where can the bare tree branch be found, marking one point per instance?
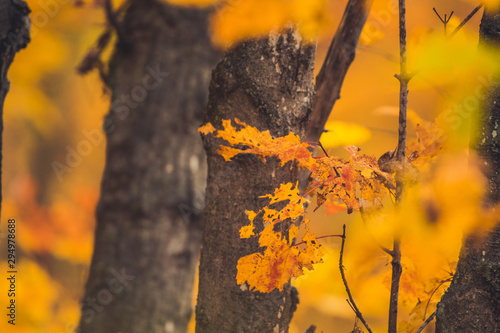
(457, 29)
(338, 59)
(445, 20)
(403, 78)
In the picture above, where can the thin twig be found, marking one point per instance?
(401, 157)
(326, 236)
(351, 300)
(432, 294)
(445, 20)
(457, 29)
(439, 16)
(326, 154)
(421, 328)
(395, 279)
(323, 148)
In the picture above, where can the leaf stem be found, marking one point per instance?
(324, 151)
(351, 300)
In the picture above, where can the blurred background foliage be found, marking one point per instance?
(50, 110)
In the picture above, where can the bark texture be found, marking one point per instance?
(268, 84)
(14, 36)
(472, 303)
(148, 223)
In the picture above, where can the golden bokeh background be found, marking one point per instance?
(51, 112)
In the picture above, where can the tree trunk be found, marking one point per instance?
(268, 84)
(14, 36)
(472, 303)
(148, 217)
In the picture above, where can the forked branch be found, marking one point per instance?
(460, 26)
(444, 20)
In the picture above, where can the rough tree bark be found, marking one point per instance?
(472, 303)
(148, 230)
(14, 36)
(268, 84)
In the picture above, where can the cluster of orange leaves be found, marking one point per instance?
(337, 184)
(358, 183)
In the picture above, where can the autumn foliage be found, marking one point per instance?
(355, 183)
(360, 183)
(49, 105)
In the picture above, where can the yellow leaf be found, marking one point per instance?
(284, 192)
(280, 261)
(287, 148)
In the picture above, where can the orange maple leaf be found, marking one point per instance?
(332, 179)
(279, 262)
(359, 178)
(287, 148)
(292, 210)
(334, 207)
